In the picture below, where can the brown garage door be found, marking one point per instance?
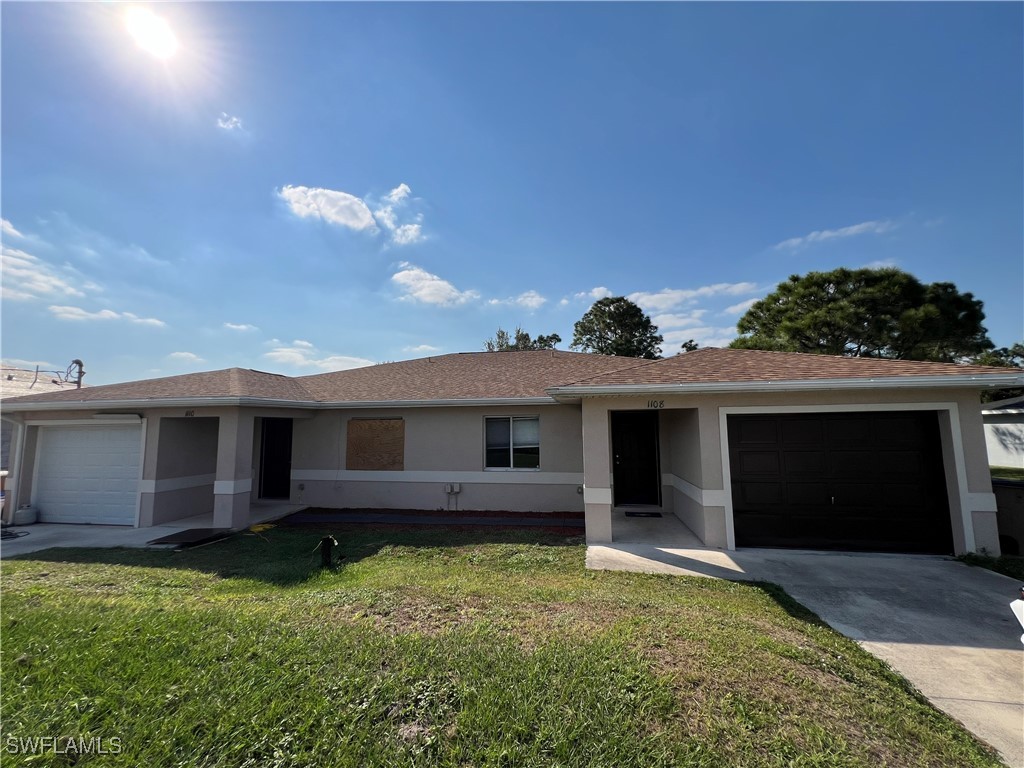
(850, 481)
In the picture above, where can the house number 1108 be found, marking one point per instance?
(655, 403)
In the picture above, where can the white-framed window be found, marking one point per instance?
(512, 442)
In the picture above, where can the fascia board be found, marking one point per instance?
(205, 402)
(797, 385)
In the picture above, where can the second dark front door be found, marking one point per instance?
(276, 459)
(635, 470)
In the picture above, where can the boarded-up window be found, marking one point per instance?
(376, 444)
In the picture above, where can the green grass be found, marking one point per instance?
(1007, 473)
(1008, 565)
(480, 648)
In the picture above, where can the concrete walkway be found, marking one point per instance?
(46, 535)
(945, 626)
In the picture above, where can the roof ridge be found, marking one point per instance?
(638, 363)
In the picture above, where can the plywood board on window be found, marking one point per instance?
(376, 444)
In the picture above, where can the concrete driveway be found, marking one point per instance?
(945, 626)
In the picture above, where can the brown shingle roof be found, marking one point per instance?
(503, 375)
(713, 365)
(462, 376)
(230, 382)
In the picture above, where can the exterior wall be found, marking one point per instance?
(442, 446)
(194, 460)
(682, 471)
(182, 468)
(972, 503)
(1004, 437)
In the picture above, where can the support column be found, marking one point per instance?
(597, 474)
(231, 489)
(147, 486)
(12, 483)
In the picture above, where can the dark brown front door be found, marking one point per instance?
(850, 481)
(276, 459)
(635, 469)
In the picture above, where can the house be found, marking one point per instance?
(747, 448)
(1004, 432)
(15, 382)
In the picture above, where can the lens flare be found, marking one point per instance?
(151, 33)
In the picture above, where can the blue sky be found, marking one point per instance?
(308, 187)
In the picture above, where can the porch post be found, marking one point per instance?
(597, 486)
(147, 486)
(233, 484)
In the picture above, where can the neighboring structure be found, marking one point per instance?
(16, 382)
(747, 448)
(1004, 432)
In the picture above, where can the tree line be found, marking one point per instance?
(881, 313)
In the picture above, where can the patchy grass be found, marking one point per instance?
(1007, 473)
(439, 648)
(1008, 565)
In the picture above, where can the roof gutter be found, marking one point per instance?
(981, 381)
(257, 402)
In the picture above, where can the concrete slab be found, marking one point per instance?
(945, 626)
(46, 535)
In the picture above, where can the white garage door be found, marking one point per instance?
(88, 474)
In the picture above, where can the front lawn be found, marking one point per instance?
(476, 648)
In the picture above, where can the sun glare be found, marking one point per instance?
(151, 32)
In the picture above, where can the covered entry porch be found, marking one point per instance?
(762, 470)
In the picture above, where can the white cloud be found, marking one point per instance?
(242, 327)
(691, 318)
(528, 300)
(670, 298)
(186, 357)
(739, 309)
(305, 355)
(27, 277)
(407, 234)
(419, 285)
(387, 216)
(823, 235)
(600, 292)
(881, 264)
(705, 336)
(229, 122)
(422, 348)
(563, 303)
(398, 194)
(8, 229)
(303, 344)
(78, 314)
(330, 205)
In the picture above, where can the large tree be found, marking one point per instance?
(519, 341)
(867, 313)
(1004, 357)
(617, 326)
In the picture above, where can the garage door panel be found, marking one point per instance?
(847, 431)
(798, 431)
(847, 464)
(759, 462)
(763, 494)
(880, 484)
(803, 462)
(758, 431)
(807, 494)
(88, 474)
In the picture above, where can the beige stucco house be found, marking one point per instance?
(747, 448)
